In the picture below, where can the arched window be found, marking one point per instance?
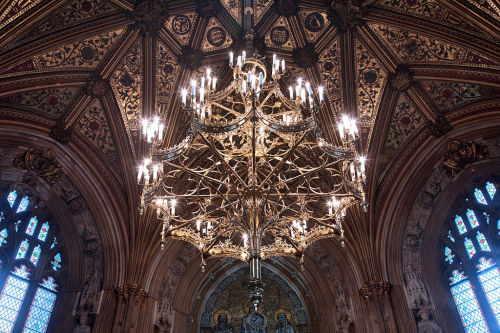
(470, 255)
(30, 260)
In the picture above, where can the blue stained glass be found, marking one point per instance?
(1, 217)
(469, 246)
(484, 264)
(23, 205)
(472, 218)
(56, 263)
(11, 198)
(456, 276)
(11, 300)
(486, 217)
(491, 189)
(449, 255)
(480, 196)
(22, 271)
(483, 244)
(54, 243)
(3, 236)
(49, 283)
(35, 255)
(460, 225)
(40, 311)
(490, 281)
(450, 237)
(23, 248)
(17, 225)
(468, 308)
(44, 230)
(30, 229)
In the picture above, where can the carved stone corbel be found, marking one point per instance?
(440, 127)
(42, 162)
(96, 86)
(345, 14)
(149, 16)
(401, 79)
(375, 288)
(459, 154)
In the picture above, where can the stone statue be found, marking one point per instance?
(284, 326)
(222, 325)
(254, 322)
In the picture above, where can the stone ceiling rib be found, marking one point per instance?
(468, 74)
(474, 18)
(348, 71)
(125, 4)
(149, 61)
(374, 43)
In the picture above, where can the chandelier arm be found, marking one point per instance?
(223, 161)
(176, 151)
(283, 160)
(231, 111)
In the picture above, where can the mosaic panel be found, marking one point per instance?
(329, 70)
(127, 85)
(15, 9)
(260, 7)
(50, 101)
(94, 126)
(449, 95)
(167, 73)
(280, 36)
(406, 121)
(235, 8)
(216, 37)
(413, 47)
(370, 81)
(314, 23)
(74, 12)
(182, 26)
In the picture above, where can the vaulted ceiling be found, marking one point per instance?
(86, 72)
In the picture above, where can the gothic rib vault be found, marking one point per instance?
(81, 74)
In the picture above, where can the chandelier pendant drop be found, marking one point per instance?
(253, 178)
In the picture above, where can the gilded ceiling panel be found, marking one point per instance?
(406, 121)
(50, 102)
(370, 82)
(127, 82)
(329, 69)
(15, 9)
(167, 74)
(71, 14)
(84, 54)
(449, 95)
(413, 47)
(260, 7)
(94, 127)
(235, 8)
(490, 7)
(314, 24)
(216, 36)
(430, 8)
(280, 36)
(182, 26)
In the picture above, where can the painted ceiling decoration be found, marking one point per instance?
(140, 53)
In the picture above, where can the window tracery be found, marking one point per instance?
(470, 258)
(30, 270)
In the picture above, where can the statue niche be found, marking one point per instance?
(254, 322)
(223, 325)
(283, 325)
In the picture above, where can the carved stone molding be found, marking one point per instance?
(346, 14)
(149, 15)
(208, 8)
(131, 291)
(40, 161)
(375, 288)
(190, 58)
(401, 80)
(60, 134)
(96, 86)
(440, 127)
(460, 154)
(305, 56)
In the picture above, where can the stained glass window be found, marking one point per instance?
(11, 300)
(44, 230)
(472, 218)
(475, 285)
(23, 248)
(11, 198)
(460, 225)
(480, 196)
(3, 236)
(29, 242)
(54, 243)
(35, 255)
(469, 246)
(483, 244)
(491, 189)
(30, 229)
(23, 205)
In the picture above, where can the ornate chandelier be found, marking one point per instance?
(253, 178)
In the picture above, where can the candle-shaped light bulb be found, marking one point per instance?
(202, 82)
(244, 56)
(299, 82)
(145, 125)
(184, 95)
(282, 65)
(303, 96)
(274, 59)
(261, 79)
(231, 56)
(193, 87)
(209, 225)
(173, 202)
(198, 222)
(273, 71)
(249, 76)
(330, 208)
(321, 94)
(244, 87)
(253, 81)
(209, 71)
(155, 172)
(362, 161)
(139, 173)
(202, 95)
(146, 177)
(214, 83)
(245, 240)
(309, 89)
(290, 90)
(238, 62)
